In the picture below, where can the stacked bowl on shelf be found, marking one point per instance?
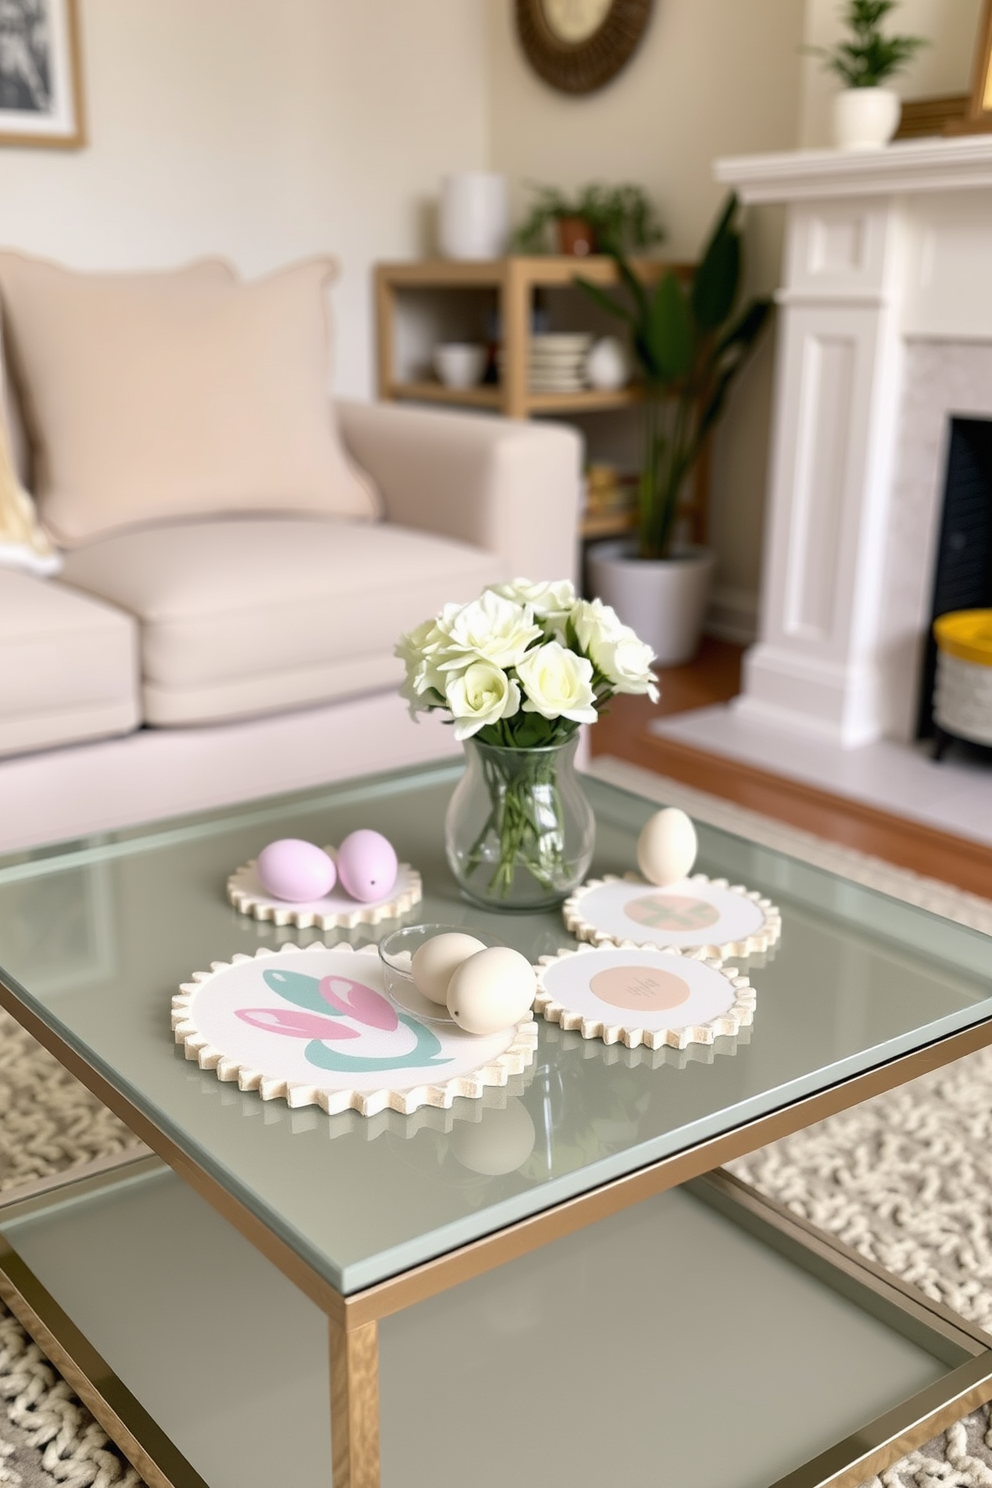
(557, 362)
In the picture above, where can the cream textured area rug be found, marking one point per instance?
(48, 1122)
(906, 1179)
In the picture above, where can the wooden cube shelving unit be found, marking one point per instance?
(514, 280)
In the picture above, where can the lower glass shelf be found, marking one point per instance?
(675, 1342)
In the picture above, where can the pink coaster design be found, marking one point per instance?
(699, 916)
(641, 995)
(315, 1026)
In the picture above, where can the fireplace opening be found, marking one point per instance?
(963, 572)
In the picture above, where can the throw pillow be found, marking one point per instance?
(22, 543)
(10, 413)
(154, 397)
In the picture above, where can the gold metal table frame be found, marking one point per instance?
(353, 1320)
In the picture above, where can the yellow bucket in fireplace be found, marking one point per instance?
(962, 699)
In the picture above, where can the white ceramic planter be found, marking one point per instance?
(474, 215)
(664, 600)
(865, 118)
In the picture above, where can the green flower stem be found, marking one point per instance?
(526, 818)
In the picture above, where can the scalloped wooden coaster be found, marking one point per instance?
(335, 911)
(315, 1026)
(697, 915)
(571, 1042)
(643, 995)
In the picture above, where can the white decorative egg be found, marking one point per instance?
(500, 1143)
(435, 962)
(667, 847)
(491, 990)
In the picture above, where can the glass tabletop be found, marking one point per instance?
(96, 936)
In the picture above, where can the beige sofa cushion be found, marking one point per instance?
(68, 663)
(252, 615)
(106, 298)
(157, 396)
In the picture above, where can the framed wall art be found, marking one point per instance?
(978, 118)
(957, 113)
(40, 75)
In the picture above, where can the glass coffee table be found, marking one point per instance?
(548, 1284)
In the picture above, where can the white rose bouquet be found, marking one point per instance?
(519, 669)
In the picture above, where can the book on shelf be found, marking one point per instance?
(609, 490)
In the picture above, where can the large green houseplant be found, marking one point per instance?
(690, 340)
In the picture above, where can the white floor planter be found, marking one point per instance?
(664, 600)
(865, 118)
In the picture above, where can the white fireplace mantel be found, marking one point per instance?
(884, 249)
(961, 164)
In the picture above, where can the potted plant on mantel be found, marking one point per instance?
(866, 115)
(690, 341)
(597, 219)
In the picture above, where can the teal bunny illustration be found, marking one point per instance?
(335, 997)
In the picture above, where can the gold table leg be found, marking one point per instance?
(354, 1405)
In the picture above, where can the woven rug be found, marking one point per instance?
(48, 1123)
(906, 1179)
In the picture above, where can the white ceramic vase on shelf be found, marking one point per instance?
(664, 600)
(474, 215)
(865, 118)
(607, 367)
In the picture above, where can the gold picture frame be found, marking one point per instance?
(922, 118)
(41, 93)
(956, 113)
(978, 118)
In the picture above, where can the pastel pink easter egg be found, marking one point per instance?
(367, 865)
(295, 870)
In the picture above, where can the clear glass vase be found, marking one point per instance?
(519, 832)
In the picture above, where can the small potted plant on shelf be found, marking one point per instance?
(690, 340)
(865, 114)
(597, 219)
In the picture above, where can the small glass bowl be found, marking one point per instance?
(396, 953)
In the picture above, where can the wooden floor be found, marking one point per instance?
(714, 678)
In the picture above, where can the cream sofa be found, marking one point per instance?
(176, 668)
(191, 661)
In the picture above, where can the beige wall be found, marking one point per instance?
(944, 66)
(267, 131)
(262, 130)
(712, 77)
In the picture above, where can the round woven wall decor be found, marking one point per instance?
(581, 66)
